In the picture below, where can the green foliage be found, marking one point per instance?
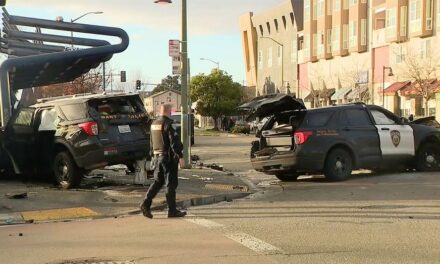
(216, 94)
(169, 82)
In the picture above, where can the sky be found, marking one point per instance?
(213, 31)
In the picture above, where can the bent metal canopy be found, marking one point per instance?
(32, 62)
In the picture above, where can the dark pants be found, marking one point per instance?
(164, 173)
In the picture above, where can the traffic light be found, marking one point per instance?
(2, 2)
(138, 84)
(123, 76)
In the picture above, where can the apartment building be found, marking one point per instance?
(153, 102)
(350, 50)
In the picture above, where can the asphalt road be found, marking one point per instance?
(371, 218)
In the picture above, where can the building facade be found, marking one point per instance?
(153, 102)
(350, 50)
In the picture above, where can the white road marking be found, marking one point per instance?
(254, 243)
(204, 222)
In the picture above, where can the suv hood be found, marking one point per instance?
(271, 104)
(427, 121)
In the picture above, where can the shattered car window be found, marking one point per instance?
(74, 111)
(24, 118)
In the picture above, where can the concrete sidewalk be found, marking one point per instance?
(110, 194)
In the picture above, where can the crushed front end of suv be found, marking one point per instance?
(68, 137)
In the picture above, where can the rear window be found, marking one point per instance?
(117, 106)
(317, 119)
(74, 111)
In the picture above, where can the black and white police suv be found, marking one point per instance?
(338, 139)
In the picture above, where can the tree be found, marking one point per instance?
(90, 82)
(168, 83)
(421, 69)
(216, 94)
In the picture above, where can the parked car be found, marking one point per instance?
(242, 127)
(92, 132)
(338, 139)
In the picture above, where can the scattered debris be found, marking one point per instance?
(207, 179)
(20, 234)
(183, 178)
(215, 167)
(17, 195)
(195, 158)
(110, 199)
(195, 176)
(30, 221)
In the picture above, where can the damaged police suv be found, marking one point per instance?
(338, 139)
(67, 137)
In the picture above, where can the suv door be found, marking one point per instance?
(358, 129)
(396, 140)
(20, 140)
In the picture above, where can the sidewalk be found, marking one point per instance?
(111, 194)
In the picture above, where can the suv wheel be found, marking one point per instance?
(338, 165)
(428, 158)
(66, 172)
(287, 177)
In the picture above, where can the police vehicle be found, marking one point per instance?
(338, 139)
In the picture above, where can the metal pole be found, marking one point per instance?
(190, 119)
(186, 156)
(282, 66)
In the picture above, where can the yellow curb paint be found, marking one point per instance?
(58, 214)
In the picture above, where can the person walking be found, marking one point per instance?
(166, 149)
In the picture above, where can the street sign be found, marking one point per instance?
(174, 47)
(176, 65)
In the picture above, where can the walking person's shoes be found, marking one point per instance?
(146, 211)
(176, 213)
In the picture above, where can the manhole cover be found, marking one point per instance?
(95, 261)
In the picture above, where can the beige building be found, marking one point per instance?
(347, 50)
(153, 102)
(270, 48)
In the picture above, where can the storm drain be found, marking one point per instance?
(227, 187)
(95, 261)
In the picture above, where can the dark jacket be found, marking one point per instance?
(164, 139)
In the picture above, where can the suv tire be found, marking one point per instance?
(338, 165)
(287, 177)
(66, 172)
(428, 158)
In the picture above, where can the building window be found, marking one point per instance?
(336, 5)
(415, 12)
(279, 54)
(363, 32)
(425, 48)
(345, 36)
(336, 38)
(275, 21)
(292, 19)
(261, 30)
(320, 43)
(353, 2)
(284, 22)
(391, 22)
(352, 33)
(315, 44)
(329, 41)
(306, 49)
(260, 59)
(268, 27)
(306, 10)
(321, 7)
(429, 14)
(269, 57)
(400, 52)
(293, 58)
(315, 9)
(403, 20)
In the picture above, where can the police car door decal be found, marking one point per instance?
(396, 140)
